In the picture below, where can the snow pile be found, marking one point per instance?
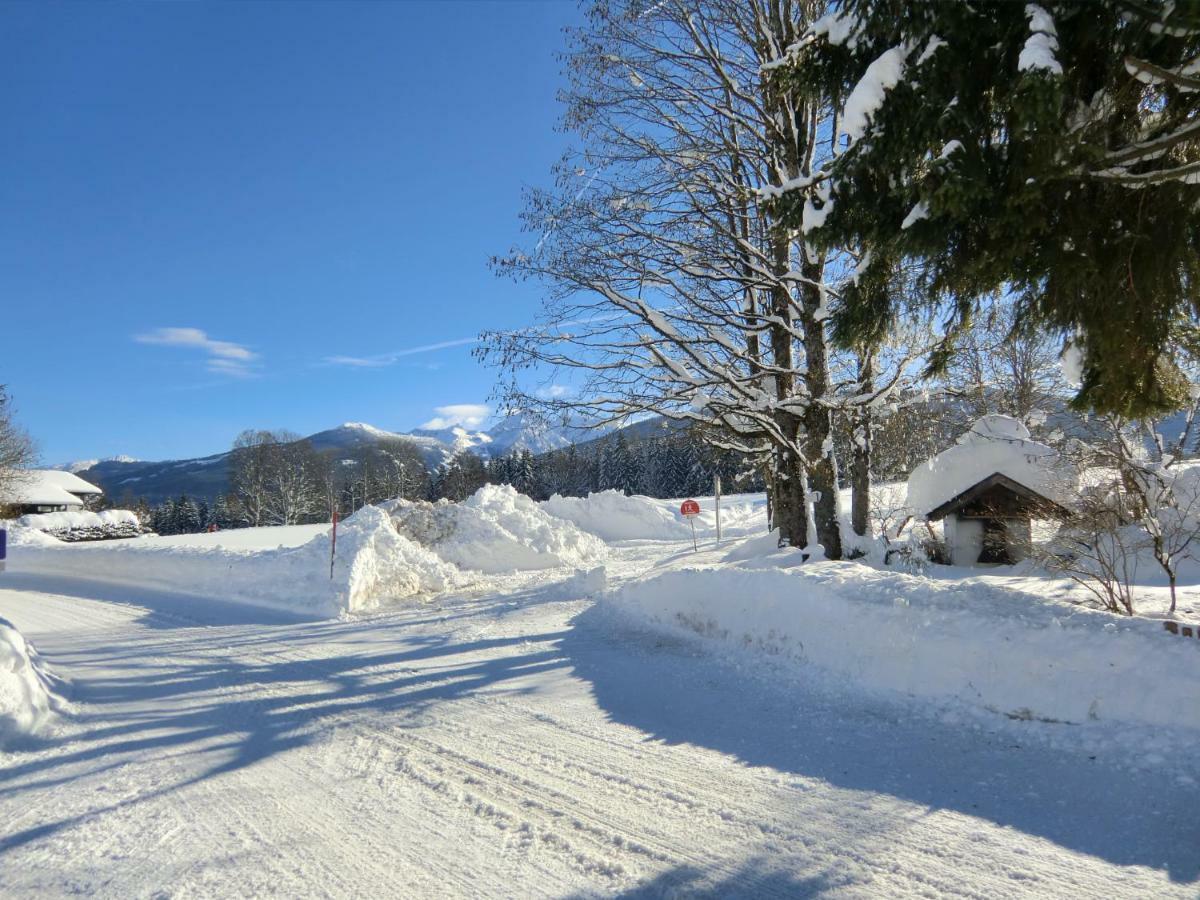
(373, 564)
(495, 530)
(1008, 652)
(612, 516)
(995, 444)
(27, 698)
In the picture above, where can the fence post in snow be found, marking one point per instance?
(717, 492)
(3, 547)
(333, 545)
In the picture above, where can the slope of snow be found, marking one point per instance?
(28, 701)
(613, 516)
(373, 564)
(495, 530)
(1008, 652)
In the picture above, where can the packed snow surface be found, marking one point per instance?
(28, 701)
(495, 530)
(373, 564)
(516, 738)
(995, 444)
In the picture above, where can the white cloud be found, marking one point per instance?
(390, 359)
(554, 391)
(224, 357)
(465, 415)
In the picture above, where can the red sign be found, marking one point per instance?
(689, 508)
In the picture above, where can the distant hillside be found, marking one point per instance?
(208, 477)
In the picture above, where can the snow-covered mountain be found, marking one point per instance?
(79, 465)
(125, 477)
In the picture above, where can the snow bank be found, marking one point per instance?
(612, 516)
(994, 444)
(28, 701)
(374, 563)
(998, 649)
(495, 530)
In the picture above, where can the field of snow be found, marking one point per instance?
(731, 722)
(270, 538)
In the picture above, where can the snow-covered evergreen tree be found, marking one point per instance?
(1049, 147)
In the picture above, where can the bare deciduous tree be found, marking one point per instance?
(16, 447)
(674, 287)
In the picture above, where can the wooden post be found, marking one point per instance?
(333, 545)
(717, 491)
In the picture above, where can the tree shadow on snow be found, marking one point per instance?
(674, 690)
(171, 699)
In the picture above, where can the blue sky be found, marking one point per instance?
(221, 216)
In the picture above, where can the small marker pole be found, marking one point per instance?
(692, 522)
(333, 545)
(3, 547)
(717, 492)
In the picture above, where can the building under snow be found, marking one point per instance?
(988, 489)
(47, 490)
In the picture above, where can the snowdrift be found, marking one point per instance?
(612, 516)
(495, 530)
(998, 649)
(28, 701)
(374, 563)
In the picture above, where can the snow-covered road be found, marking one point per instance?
(523, 744)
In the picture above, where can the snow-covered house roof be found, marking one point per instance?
(69, 481)
(995, 446)
(48, 487)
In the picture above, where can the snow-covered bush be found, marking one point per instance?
(496, 529)
(28, 700)
(83, 525)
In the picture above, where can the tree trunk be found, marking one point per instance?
(787, 499)
(860, 474)
(818, 420)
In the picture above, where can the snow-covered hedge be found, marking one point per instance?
(81, 525)
(1011, 653)
(28, 701)
(374, 563)
(495, 530)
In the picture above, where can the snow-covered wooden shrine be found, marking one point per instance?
(988, 489)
